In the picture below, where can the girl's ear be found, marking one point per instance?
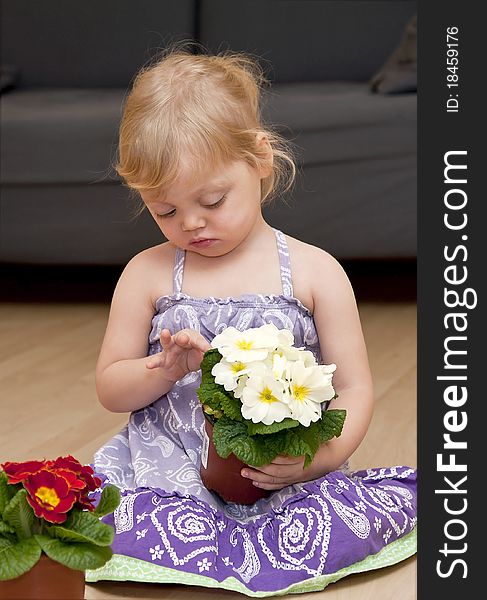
(266, 155)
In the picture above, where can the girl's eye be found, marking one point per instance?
(169, 214)
(216, 204)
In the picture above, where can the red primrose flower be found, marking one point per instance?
(54, 487)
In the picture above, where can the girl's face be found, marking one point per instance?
(213, 216)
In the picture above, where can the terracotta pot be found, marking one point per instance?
(222, 475)
(47, 580)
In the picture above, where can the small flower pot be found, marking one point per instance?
(47, 580)
(222, 476)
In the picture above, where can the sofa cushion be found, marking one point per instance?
(59, 135)
(339, 122)
(353, 209)
(91, 43)
(305, 40)
(72, 224)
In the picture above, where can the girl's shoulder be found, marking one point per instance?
(305, 258)
(314, 270)
(154, 255)
(153, 266)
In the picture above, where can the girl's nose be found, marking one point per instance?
(192, 221)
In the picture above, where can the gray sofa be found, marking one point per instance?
(67, 66)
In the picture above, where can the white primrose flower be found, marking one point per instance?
(285, 338)
(309, 359)
(309, 387)
(264, 400)
(233, 375)
(227, 373)
(250, 345)
(280, 362)
(237, 392)
(331, 368)
(279, 365)
(293, 354)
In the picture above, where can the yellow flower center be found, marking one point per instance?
(267, 396)
(48, 497)
(238, 366)
(300, 392)
(244, 345)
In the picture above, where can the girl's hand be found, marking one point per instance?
(286, 470)
(282, 471)
(182, 353)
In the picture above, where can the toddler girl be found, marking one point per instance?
(192, 144)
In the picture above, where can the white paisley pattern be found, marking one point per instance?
(354, 519)
(250, 566)
(185, 523)
(303, 535)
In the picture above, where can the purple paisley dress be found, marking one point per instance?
(168, 519)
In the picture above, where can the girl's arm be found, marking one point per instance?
(341, 341)
(126, 379)
(123, 382)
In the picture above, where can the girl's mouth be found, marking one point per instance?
(202, 243)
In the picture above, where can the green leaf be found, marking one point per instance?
(82, 526)
(232, 437)
(17, 559)
(311, 437)
(19, 515)
(208, 394)
(110, 499)
(7, 541)
(331, 424)
(214, 395)
(261, 429)
(224, 432)
(257, 444)
(230, 406)
(210, 359)
(79, 556)
(208, 387)
(5, 528)
(7, 491)
(294, 443)
(255, 452)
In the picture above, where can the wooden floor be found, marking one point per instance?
(49, 408)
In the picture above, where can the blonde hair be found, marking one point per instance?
(207, 106)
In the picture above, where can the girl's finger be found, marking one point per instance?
(287, 460)
(191, 339)
(154, 362)
(268, 482)
(165, 338)
(262, 474)
(182, 339)
(199, 343)
(271, 486)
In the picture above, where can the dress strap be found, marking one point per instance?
(285, 263)
(178, 271)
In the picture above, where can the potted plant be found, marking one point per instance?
(50, 530)
(262, 397)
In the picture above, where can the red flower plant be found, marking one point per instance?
(54, 487)
(47, 508)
